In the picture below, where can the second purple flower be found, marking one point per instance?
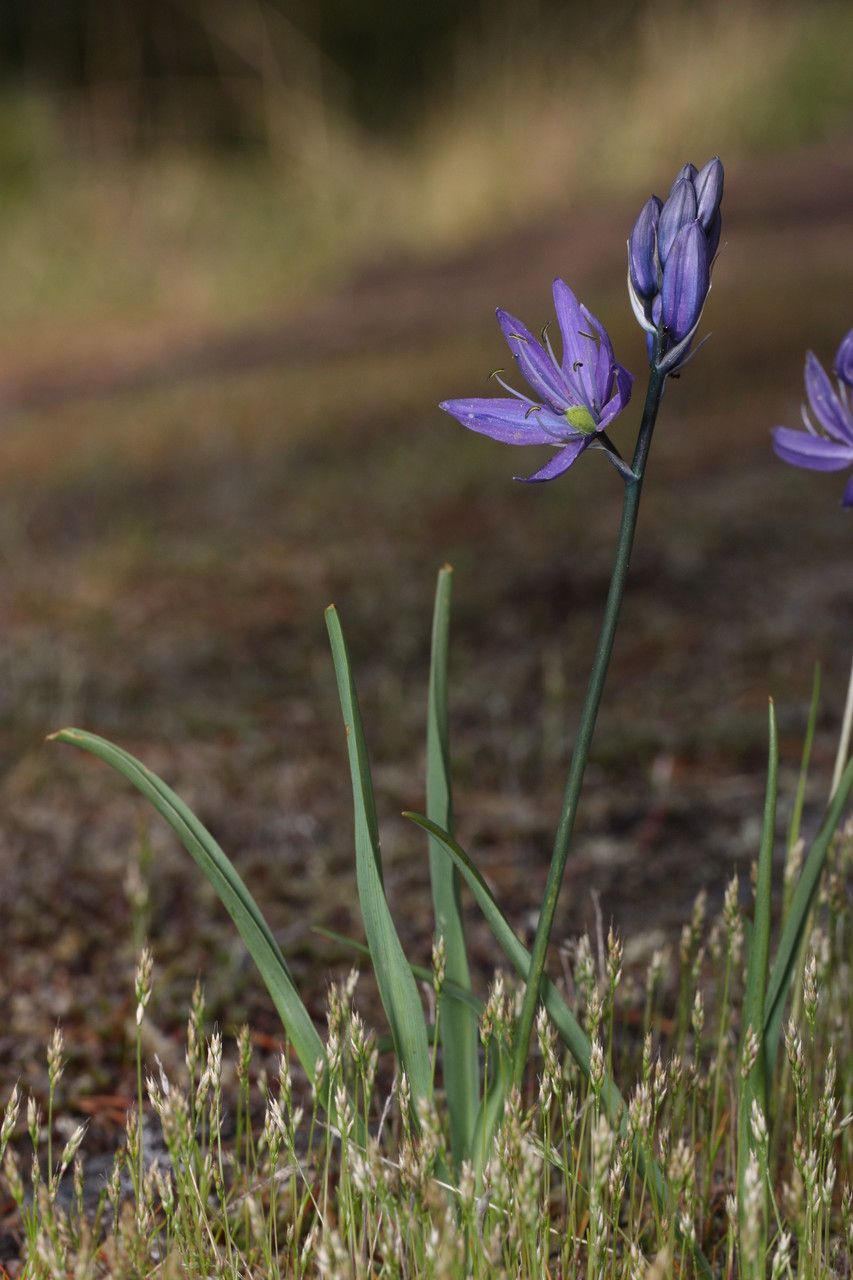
(826, 444)
(576, 398)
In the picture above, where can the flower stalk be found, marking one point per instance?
(589, 715)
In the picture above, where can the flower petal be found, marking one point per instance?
(510, 421)
(686, 278)
(708, 185)
(587, 350)
(604, 362)
(679, 210)
(812, 452)
(610, 411)
(642, 249)
(617, 402)
(847, 500)
(844, 360)
(713, 235)
(624, 384)
(571, 322)
(825, 404)
(640, 307)
(559, 463)
(534, 362)
(687, 171)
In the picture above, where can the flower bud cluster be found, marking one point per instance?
(670, 253)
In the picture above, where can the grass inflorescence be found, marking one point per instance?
(229, 1170)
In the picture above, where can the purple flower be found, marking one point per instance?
(670, 253)
(575, 399)
(827, 442)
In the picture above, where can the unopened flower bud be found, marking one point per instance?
(679, 210)
(708, 185)
(668, 309)
(686, 279)
(642, 249)
(687, 171)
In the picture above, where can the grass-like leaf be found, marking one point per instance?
(797, 811)
(798, 913)
(236, 898)
(572, 1032)
(397, 987)
(457, 1022)
(568, 1028)
(752, 1083)
(451, 991)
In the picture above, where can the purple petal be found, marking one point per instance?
(611, 410)
(602, 364)
(844, 360)
(832, 415)
(679, 210)
(687, 171)
(642, 247)
(847, 500)
(708, 184)
(686, 278)
(713, 235)
(510, 421)
(534, 362)
(812, 452)
(624, 384)
(571, 321)
(559, 463)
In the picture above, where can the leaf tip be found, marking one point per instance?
(62, 735)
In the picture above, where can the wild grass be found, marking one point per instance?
(228, 1171)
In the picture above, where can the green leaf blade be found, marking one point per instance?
(397, 988)
(232, 891)
(458, 1024)
(565, 1022)
(799, 909)
(811, 725)
(759, 943)
(420, 971)
(752, 1085)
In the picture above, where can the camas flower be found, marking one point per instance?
(827, 442)
(670, 253)
(576, 399)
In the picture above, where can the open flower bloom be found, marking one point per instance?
(826, 444)
(573, 400)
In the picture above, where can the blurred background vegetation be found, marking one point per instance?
(201, 158)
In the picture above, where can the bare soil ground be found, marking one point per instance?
(176, 510)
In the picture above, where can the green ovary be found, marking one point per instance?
(581, 419)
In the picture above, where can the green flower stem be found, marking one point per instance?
(580, 755)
